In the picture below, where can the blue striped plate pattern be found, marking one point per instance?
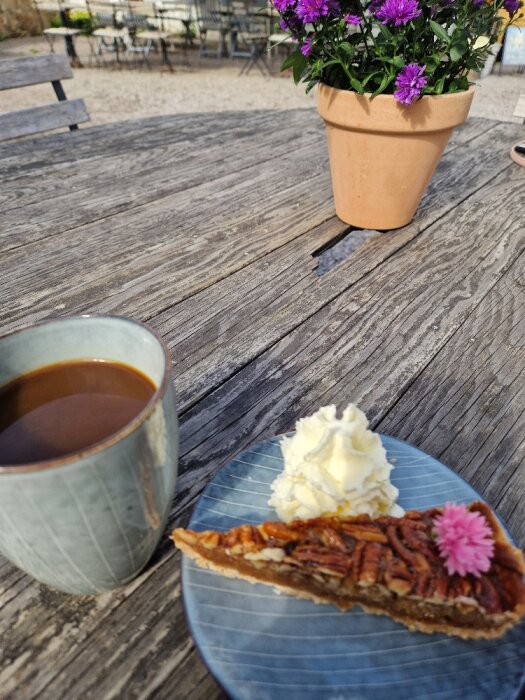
(261, 645)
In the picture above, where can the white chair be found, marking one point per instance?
(66, 31)
(110, 34)
(177, 17)
(145, 31)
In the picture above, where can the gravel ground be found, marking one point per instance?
(205, 85)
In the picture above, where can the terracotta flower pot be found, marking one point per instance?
(383, 153)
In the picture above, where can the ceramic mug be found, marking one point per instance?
(88, 522)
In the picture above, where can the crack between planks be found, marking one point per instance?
(330, 299)
(169, 556)
(254, 260)
(445, 213)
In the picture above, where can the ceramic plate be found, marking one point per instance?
(261, 645)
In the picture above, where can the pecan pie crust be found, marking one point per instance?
(389, 566)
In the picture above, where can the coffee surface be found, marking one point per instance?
(66, 407)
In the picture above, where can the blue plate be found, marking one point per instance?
(261, 645)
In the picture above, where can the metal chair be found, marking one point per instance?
(145, 32)
(249, 33)
(279, 42)
(177, 17)
(32, 70)
(212, 16)
(66, 31)
(110, 34)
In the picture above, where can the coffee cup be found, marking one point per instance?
(89, 520)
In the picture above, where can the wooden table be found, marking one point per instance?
(209, 228)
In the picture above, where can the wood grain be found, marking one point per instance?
(259, 313)
(31, 70)
(369, 344)
(160, 222)
(467, 408)
(30, 121)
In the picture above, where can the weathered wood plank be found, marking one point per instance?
(407, 299)
(140, 136)
(25, 122)
(168, 667)
(153, 247)
(162, 165)
(31, 70)
(467, 407)
(117, 184)
(161, 245)
(368, 344)
(258, 312)
(345, 352)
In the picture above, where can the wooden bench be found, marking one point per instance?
(20, 72)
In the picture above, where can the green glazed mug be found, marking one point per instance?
(89, 522)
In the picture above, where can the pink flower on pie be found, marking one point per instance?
(464, 539)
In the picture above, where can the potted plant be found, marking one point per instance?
(393, 84)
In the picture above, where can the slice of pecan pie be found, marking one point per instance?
(389, 566)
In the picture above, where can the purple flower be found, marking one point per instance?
(512, 6)
(312, 10)
(306, 48)
(478, 3)
(283, 5)
(375, 5)
(291, 24)
(398, 11)
(352, 19)
(409, 82)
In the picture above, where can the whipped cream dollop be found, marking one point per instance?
(334, 466)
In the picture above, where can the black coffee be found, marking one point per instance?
(66, 407)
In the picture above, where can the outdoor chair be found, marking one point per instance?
(110, 34)
(66, 31)
(212, 17)
(177, 17)
(32, 70)
(249, 32)
(145, 32)
(280, 45)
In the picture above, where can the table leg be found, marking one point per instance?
(165, 57)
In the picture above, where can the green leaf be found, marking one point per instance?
(386, 32)
(387, 79)
(297, 62)
(311, 85)
(396, 61)
(458, 84)
(347, 48)
(355, 39)
(289, 60)
(439, 31)
(369, 77)
(299, 66)
(438, 87)
(457, 51)
(357, 85)
(332, 62)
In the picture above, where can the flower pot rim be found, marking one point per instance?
(382, 97)
(384, 114)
